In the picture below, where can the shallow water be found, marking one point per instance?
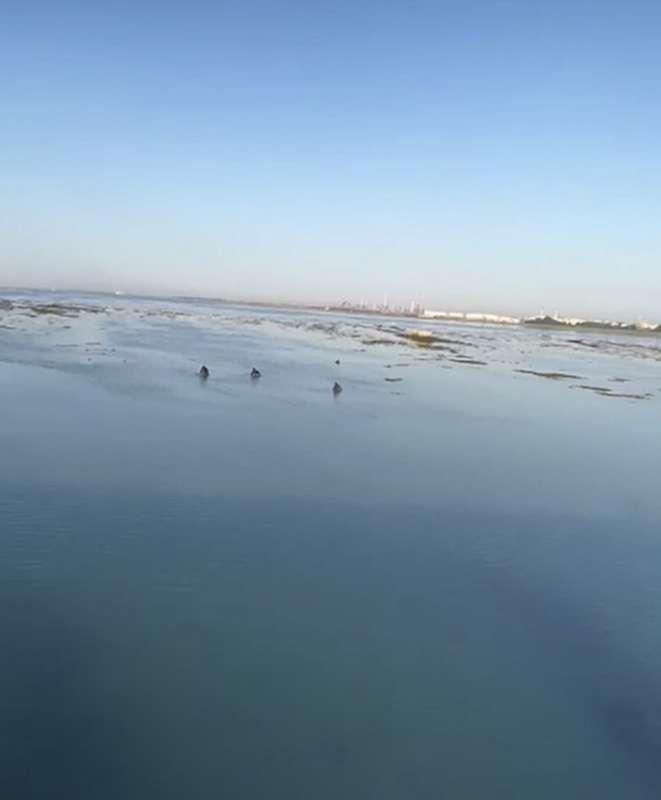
(446, 586)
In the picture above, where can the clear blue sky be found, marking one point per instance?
(491, 155)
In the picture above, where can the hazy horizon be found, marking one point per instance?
(470, 156)
(370, 303)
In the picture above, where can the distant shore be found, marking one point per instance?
(426, 316)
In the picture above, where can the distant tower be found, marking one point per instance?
(385, 300)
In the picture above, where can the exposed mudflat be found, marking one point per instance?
(70, 331)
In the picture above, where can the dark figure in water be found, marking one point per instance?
(255, 373)
(204, 372)
(337, 362)
(336, 388)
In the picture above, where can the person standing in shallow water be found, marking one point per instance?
(336, 388)
(204, 372)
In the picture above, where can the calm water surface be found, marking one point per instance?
(444, 586)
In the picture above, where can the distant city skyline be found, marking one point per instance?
(483, 156)
(413, 308)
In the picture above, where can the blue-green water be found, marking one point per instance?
(447, 586)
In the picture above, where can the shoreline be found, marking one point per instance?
(486, 319)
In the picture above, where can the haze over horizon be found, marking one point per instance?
(476, 155)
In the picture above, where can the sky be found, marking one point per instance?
(475, 155)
